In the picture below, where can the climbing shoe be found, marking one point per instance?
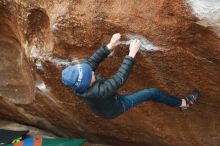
(194, 97)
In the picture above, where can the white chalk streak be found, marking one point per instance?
(42, 87)
(145, 44)
(63, 62)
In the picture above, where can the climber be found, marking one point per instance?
(101, 94)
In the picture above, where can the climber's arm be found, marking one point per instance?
(98, 57)
(111, 85)
(103, 52)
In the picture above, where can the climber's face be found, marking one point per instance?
(93, 79)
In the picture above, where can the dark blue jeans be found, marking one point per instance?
(152, 94)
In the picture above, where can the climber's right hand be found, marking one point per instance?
(134, 47)
(114, 41)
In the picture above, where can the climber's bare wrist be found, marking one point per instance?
(109, 46)
(132, 55)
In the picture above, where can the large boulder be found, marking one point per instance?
(50, 33)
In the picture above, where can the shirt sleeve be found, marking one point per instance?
(111, 85)
(98, 57)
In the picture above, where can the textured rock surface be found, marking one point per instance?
(16, 78)
(7, 125)
(74, 29)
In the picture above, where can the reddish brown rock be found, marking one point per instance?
(75, 29)
(16, 79)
